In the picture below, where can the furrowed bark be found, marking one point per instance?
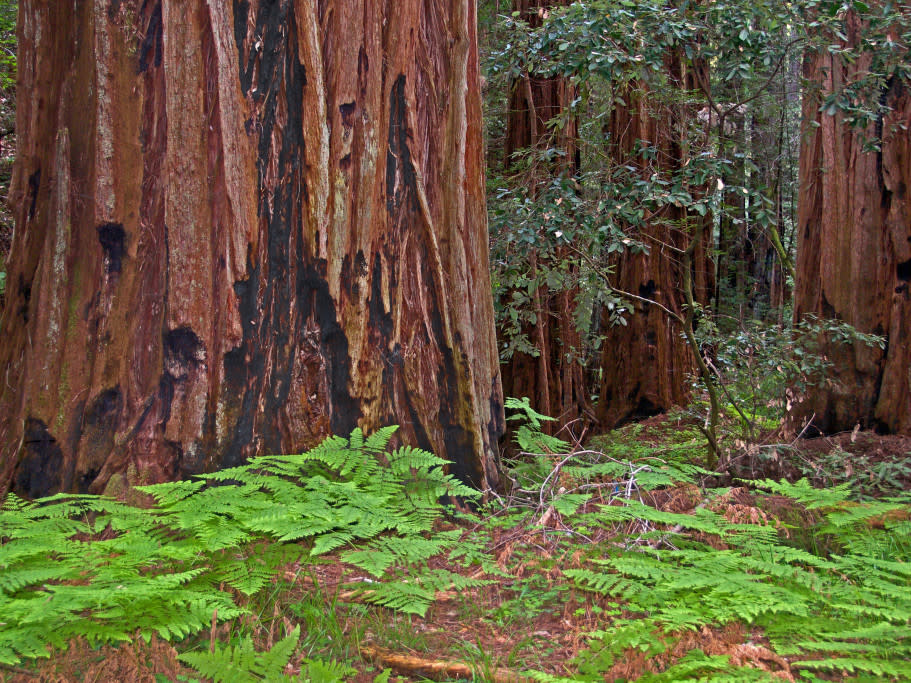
(553, 380)
(243, 226)
(646, 365)
(854, 248)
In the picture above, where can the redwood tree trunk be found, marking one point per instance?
(553, 380)
(241, 227)
(646, 365)
(854, 248)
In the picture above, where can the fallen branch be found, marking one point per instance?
(438, 669)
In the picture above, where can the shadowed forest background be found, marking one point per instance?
(630, 276)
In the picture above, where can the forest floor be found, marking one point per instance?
(536, 619)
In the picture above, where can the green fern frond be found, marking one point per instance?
(242, 663)
(405, 458)
(345, 456)
(325, 543)
(852, 665)
(389, 551)
(320, 671)
(444, 580)
(853, 603)
(803, 492)
(409, 598)
(849, 516)
(173, 492)
(92, 566)
(698, 666)
(568, 503)
(14, 503)
(12, 580)
(378, 441)
(524, 411)
(596, 582)
(701, 520)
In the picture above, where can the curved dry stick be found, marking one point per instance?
(438, 669)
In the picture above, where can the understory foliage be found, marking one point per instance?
(736, 133)
(243, 664)
(840, 606)
(817, 582)
(81, 565)
(761, 370)
(821, 578)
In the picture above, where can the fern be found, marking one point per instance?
(528, 434)
(804, 493)
(320, 671)
(851, 665)
(846, 612)
(242, 663)
(698, 666)
(91, 566)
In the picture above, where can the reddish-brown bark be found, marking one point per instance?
(242, 226)
(646, 365)
(535, 101)
(854, 248)
(554, 379)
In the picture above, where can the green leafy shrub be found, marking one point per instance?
(760, 370)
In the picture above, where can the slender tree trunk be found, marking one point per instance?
(730, 263)
(554, 379)
(767, 270)
(243, 226)
(854, 248)
(646, 364)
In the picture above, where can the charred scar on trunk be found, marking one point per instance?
(400, 175)
(40, 468)
(152, 47)
(112, 238)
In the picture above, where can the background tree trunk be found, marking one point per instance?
(854, 247)
(554, 380)
(243, 226)
(646, 364)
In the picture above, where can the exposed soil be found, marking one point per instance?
(872, 446)
(875, 464)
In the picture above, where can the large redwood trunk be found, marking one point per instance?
(646, 365)
(554, 379)
(241, 227)
(854, 248)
